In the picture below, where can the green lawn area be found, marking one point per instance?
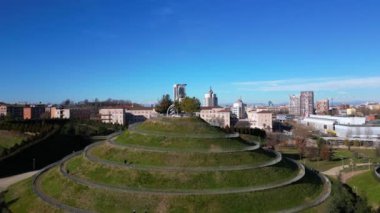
(85, 169)
(20, 198)
(367, 186)
(184, 159)
(339, 155)
(180, 126)
(10, 138)
(180, 143)
(107, 201)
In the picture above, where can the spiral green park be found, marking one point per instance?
(172, 165)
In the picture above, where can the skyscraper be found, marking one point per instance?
(294, 105)
(179, 91)
(211, 100)
(307, 103)
(238, 109)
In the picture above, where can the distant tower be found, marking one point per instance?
(238, 109)
(211, 100)
(307, 103)
(179, 92)
(294, 105)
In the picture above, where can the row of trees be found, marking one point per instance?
(187, 105)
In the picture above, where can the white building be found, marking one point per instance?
(216, 116)
(57, 113)
(211, 100)
(357, 131)
(260, 119)
(307, 103)
(294, 105)
(179, 92)
(238, 109)
(3, 110)
(139, 114)
(114, 116)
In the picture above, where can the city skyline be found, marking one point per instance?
(257, 50)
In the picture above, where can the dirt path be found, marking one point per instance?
(6, 182)
(336, 170)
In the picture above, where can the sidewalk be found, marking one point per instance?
(6, 182)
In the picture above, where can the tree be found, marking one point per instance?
(163, 105)
(300, 134)
(325, 152)
(190, 105)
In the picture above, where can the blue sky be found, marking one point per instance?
(259, 50)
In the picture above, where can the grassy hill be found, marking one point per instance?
(115, 177)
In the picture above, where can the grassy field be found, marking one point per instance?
(107, 201)
(182, 143)
(10, 138)
(20, 198)
(112, 153)
(367, 186)
(340, 156)
(179, 126)
(85, 169)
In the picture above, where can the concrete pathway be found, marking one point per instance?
(6, 182)
(336, 170)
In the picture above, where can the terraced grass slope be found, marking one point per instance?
(171, 165)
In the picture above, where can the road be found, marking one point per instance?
(336, 170)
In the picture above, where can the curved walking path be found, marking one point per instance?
(93, 184)
(87, 154)
(133, 128)
(7, 181)
(164, 150)
(36, 187)
(326, 191)
(336, 170)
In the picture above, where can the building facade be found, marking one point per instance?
(260, 119)
(323, 107)
(3, 110)
(238, 109)
(216, 116)
(179, 92)
(114, 116)
(139, 114)
(15, 112)
(294, 105)
(57, 113)
(211, 100)
(307, 103)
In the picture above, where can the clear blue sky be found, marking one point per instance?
(260, 50)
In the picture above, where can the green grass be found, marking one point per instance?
(10, 138)
(338, 156)
(180, 143)
(367, 186)
(112, 153)
(107, 201)
(20, 198)
(85, 169)
(179, 126)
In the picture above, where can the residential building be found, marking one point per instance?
(294, 105)
(82, 113)
(138, 114)
(3, 110)
(238, 109)
(179, 92)
(260, 119)
(307, 103)
(216, 116)
(15, 112)
(211, 100)
(323, 107)
(27, 112)
(114, 116)
(59, 113)
(351, 111)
